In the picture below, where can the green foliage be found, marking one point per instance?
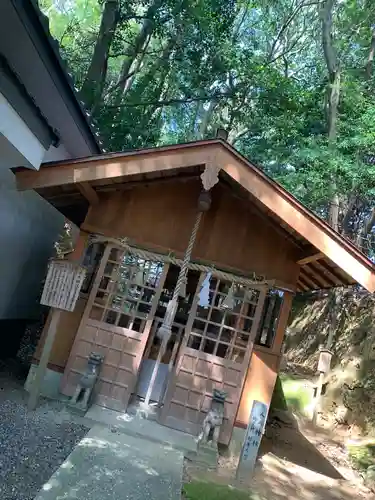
(75, 26)
(291, 394)
(199, 490)
(256, 68)
(362, 456)
(278, 401)
(297, 395)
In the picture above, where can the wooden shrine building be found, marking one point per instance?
(253, 246)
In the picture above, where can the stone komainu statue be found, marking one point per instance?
(214, 418)
(87, 381)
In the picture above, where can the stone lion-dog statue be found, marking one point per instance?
(213, 420)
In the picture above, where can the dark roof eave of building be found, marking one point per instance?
(12, 87)
(30, 10)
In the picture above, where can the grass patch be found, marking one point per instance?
(200, 490)
(297, 396)
(362, 456)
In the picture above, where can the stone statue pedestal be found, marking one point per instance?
(206, 455)
(77, 409)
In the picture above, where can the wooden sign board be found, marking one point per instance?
(253, 437)
(63, 283)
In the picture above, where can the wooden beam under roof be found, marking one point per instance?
(88, 192)
(309, 280)
(316, 276)
(302, 286)
(312, 256)
(327, 272)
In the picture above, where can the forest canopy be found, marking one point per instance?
(292, 81)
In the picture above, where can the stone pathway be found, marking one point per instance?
(107, 464)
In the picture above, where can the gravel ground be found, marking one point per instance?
(32, 444)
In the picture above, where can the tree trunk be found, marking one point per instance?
(332, 102)
(348, 214)
(333, 98)
(139, 43)
(93, 84)
(206, 118)
(333, 89)
(138, 64)
(371, 55)
(334, 208)
(366, 229)
(192, 133)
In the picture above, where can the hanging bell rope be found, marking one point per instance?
(182, 290)
(165, 329)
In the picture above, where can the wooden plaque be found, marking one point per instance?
(63, 283)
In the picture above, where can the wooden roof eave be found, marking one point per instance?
(218, 154)
(301, 220)
(136, 163)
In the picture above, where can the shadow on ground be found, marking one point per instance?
(293, 446)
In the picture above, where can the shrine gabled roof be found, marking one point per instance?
(326, 258)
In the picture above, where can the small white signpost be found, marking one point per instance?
(253, 437)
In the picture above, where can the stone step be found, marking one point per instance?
(135, 425)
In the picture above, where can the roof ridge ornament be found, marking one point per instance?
(210, 176)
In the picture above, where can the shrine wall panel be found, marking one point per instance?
(232, 234)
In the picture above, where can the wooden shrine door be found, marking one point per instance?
(116, 323)
(215, 353)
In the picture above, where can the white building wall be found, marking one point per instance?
(29, 226)
(16, 132)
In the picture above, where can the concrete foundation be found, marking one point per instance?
(51, 383)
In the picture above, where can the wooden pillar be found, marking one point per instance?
(262, 396)
(263, 367)
(285, 309)
(80, 246)
(43, 362)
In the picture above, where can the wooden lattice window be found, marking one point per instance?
(91, 261)
(126, 290)
(269, 318)
(225, 332)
